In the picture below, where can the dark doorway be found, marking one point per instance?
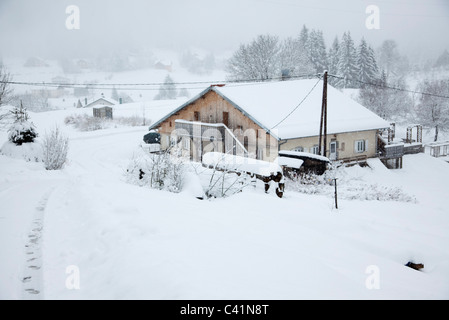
(226, 119)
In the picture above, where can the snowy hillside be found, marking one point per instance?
(86, 226)
(104, 81)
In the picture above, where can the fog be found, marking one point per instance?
(39, 27)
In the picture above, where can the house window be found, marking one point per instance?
(299, 149)
(196, 116)
(333, 147)
(260, 154)
(315, 149)
(245, 143)
(186, 143)
(360, 146)
(226, 119)
(268, 145)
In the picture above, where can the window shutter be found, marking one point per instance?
(366, 145)
(355, 147)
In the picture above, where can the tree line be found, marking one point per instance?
(380, 75)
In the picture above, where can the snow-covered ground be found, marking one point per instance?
(86, 225)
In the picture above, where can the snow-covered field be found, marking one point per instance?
(85, 225)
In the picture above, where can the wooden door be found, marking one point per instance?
(226, 119)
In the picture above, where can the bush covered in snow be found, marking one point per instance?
(55, 148)
(159, 171)
(22, 132)
(350, 186)
(84, 122)
(30, 152)
(224, 182)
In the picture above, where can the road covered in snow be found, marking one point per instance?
(85, 233)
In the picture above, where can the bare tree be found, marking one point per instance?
(258, 60)
(380, 97)
(433, 107)
(293, 58)
(390, 60)
(5, 87)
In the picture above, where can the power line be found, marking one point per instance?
(114, 85)
(304, 99)
(241, 82)
(390, 87)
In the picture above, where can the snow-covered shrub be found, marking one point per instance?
(30, 152)
(132, 121)
(83, 122)
(55, 148)
(225, 183)
(22, 130)
(159, 171)
(350, 187)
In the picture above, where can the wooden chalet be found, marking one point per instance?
(260, 119)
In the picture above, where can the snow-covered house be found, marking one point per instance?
(259, 119)
(101, 102)
(164, 65)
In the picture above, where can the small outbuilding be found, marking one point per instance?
(103, 112)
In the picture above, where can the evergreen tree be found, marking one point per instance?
(316, 50)
(21, 131)
(167, 91)
(347, 64)
(303, 37)
(114, 94)
(443, 61)
(366, 63)
(373, 62)
(333, 58)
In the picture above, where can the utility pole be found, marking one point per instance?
(323, 121)
(336, 197)
(325, 112)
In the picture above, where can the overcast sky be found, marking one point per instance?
(38, 27)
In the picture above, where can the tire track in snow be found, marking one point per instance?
(32, 273)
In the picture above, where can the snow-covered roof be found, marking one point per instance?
(289, 162)
(101, 99)
(271, 102)
(241, 164)
(274, 107)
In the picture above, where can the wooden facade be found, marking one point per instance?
(211, 108)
